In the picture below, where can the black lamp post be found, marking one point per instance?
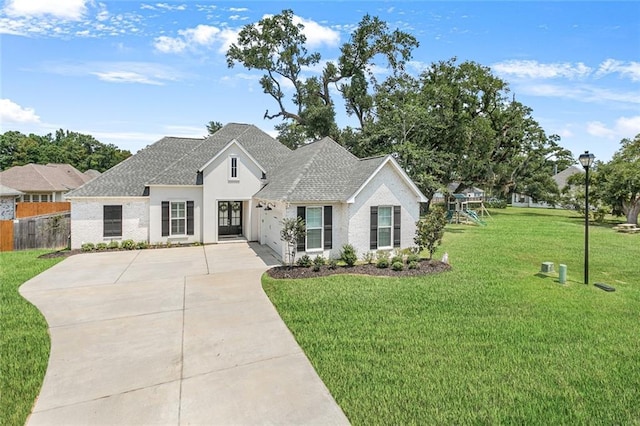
(586, 160)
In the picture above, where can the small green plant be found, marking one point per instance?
(141, 245)
(396, 259)
(333, 263)
(101, 246)
(382, 262)
(397, 266)
(88, 247)
(369, 257)
(128, 245)
(430, 230)
(168, 244)
(293, 229)
(413, 257)
(348, 255)
(113, 245)
(320, 260)
(304, 261)
(413, 265)
(383, 255)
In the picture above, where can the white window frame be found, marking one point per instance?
(233, 159)
(390, 227)
(321, 228)
(172, 218)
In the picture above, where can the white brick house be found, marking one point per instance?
(240, 182)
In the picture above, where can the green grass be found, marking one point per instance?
(492, 341)
(24, 341)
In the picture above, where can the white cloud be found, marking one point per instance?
(628, 69)
(193, 38)
(317, 34)
(126, 77)
(583, 93)
(536, 70)
(64, 9)
(11, 112)
(238, 9)
(624, 127)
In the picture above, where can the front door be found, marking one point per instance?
(229, 218)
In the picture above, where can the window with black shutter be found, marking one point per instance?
(112, 221)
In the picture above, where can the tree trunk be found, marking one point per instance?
(632, 210)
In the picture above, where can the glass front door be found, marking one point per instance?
(229, 218)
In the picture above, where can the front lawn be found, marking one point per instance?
(492, 341)
(24, 341)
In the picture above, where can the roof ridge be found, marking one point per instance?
(37, 169)
(171, 163)
(304, 169)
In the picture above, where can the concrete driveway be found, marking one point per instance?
(171, 336)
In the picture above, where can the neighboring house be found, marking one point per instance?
(473, 193)
(44, 183)
(8, 197)
(240, 182)
(522, 200)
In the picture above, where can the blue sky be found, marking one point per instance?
(130, 72)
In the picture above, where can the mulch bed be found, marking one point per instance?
(60, 253)
(425, 267)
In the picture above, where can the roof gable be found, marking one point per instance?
(225, 149)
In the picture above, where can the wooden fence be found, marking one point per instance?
(39, 209)
(6, 235)
(43, 232)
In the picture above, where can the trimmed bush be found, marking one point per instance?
(397, 266)
(142, 245)
(413, 258)
(319, 260)
(333, 264)
(304, 261)
(397, 259)
(101, 246)
(128, 245)
(414, 265)
(88, 247)
(348, 255)
(382, 263)
(113, 245)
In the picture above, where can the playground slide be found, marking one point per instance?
(474, 217)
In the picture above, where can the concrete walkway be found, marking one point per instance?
(173, 336)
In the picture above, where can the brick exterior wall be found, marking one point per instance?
(87, 220)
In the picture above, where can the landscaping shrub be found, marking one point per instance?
(113, 245)
(128, 245)
(397, 259)
(333, 263)
(142, 245)
(496, 204)
(413, 265)
(88, 247)
(349, 255)
(413, 257)
(101, 246)
(430, 230)
(383, 262)
(368, 257)
(397, 266)
(304, 261)
(319, 260)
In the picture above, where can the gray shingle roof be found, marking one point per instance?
(320, 171)
(43, 178)
(176, 161)
(6, 191)
(562, 177)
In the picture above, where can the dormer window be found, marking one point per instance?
(233, 167)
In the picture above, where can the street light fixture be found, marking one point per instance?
(586, 160)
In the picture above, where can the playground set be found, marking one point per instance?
(464, 210)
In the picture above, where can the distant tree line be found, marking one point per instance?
(83, 152)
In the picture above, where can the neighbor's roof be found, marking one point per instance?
(43, 178)
(562, 177)
(5, 191)
(176, 161)
(319, 171)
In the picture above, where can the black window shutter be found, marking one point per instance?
(396, 226)
(374, 228)
(165, 218)
(189, 217)
(328, 227)
(302, 213)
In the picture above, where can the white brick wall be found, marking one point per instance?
(87, 217)
(387, 188)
